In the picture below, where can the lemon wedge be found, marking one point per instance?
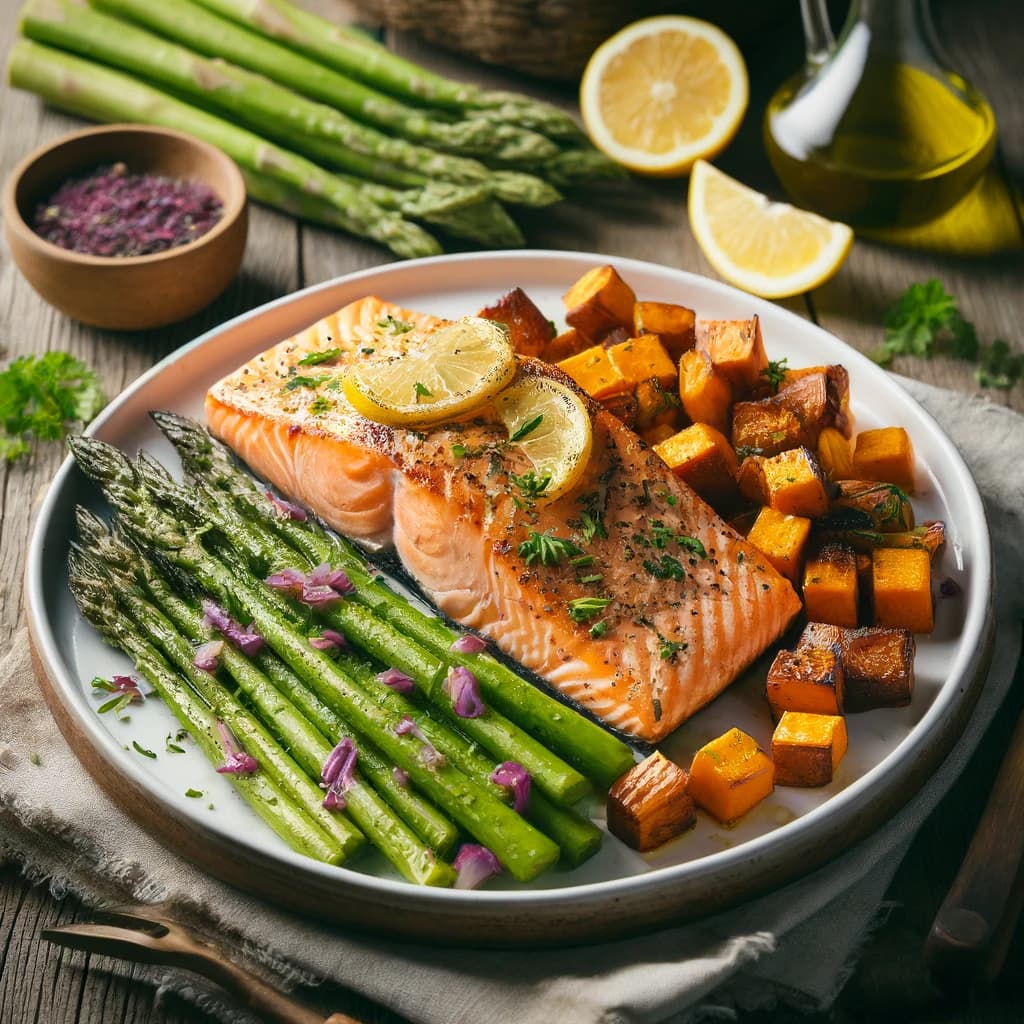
(455, 370)
(663, 92)
(550, 425)
(770, 249)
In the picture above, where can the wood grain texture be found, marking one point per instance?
(641, 219)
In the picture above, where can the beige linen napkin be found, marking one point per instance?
(791, 947)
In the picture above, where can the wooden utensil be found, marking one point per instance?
(975, 924)
(150, 937)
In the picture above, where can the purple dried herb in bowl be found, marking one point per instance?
(111, 212)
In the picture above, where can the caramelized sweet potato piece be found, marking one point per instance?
(623, 406)
(529, 329)
(568, 343)
(737, 350)
(595, 373)
(673, 324)
(837, 383)
(901, 588)
(782, 539)
(831, 590)
(705, 393)
(835, 455)
(930, 536)
(867, 505)
(807, 679)
(649, 805)
(656, 405)
(885, 454)
(658, 433)
(642, 359)
(790, 482)
(599, 302)
(766, 427)
(879, 668)
(702, 457)
(807, 748)
(822, 634)
(730, 775)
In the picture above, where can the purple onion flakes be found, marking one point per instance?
(110, 212)
(474, 865)
(468, 643)
(236, 760)
(287, 508)
(514, 776)
(464, 690)
(328, 640)
(245, 638)
(400, 776)
(397, 681)
(338, 774)
(207, 657)
(429, 754)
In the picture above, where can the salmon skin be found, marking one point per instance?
(690, 603)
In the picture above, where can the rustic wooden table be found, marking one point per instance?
(978, 260)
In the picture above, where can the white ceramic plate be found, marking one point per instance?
(890, 752)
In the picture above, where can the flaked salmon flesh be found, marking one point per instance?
(690, 604)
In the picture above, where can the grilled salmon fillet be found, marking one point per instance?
(690, 603)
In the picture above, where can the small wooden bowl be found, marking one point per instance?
(133, 292)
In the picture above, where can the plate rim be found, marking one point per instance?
(848, 801)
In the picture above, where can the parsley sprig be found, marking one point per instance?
(42, 397)
(583, 609)
(926, 316)
(775, 373)
(327, 355)
(546, 549)
(530, 485)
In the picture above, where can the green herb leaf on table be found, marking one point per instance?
(42, 398)
(1000, 368)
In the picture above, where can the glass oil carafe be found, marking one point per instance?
(877, 130)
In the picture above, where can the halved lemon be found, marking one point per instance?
(663, 92)
(455, 370)
(770, 249)
(550, 425)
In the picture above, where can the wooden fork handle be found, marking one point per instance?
(973, 928)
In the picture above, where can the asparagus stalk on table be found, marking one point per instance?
(355, 54)
(523, 850)
(587, 746)
(377, 637)
(486, 223)
(95, 599)
(104, 95)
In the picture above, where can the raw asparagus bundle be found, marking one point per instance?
(322, 695)
(104, 95)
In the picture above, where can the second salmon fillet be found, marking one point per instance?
(691, 604)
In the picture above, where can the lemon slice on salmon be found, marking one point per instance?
(549, 424)
(455, 370)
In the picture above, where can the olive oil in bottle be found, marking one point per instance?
(875, 141)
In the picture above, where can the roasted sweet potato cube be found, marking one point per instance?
(837, 389)
(568, 343)
(831, 590)
(658, 433)
(835, 456)
(705, 392)
(822, 634)
(782, 540)
(751, 480)
(878, 666)
(901, 588)
(702, 457)
(730, 775)
(623, 406)
(529, 329)
(642, 359)
(737, 350)
(885, 454)
(599, 302)
(807, 748)
(649, 805)
(867, 505)
(656, 405)
(673, 324)
(595, 373)
(794, 483)
(807, 679)
(765, 427)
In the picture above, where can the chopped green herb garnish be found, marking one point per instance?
(666, 568)
(527, 428)
(546, 549)
(692, 545)
(171, 743)
(598, 629)
(316, 358)
(775, 373)
(422, 391)
(530, 485)
(304, 382)
(671, 499)
(661, 535)
(669, 649)
(116, 704)
(583, 609)
(35, 759)
(394, 325)
(591, 527)
(459, 450)
(581, 561)
(747, 451)
(143, 750)
(42, 397)
(367, 351)
(193, 793)
(320, 405)
(593, 578)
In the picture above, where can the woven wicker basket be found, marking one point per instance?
(549, 38)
